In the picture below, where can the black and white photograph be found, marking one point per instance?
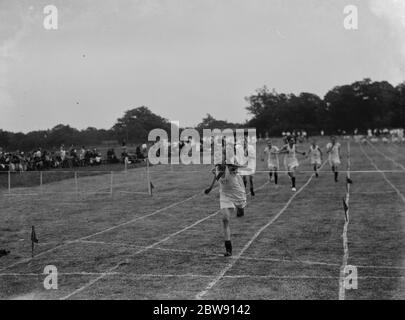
(209, 152)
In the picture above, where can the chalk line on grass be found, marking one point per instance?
(140, 218)
(397, 154)
(383, 174)
(154, 245)
(99, 232)
(189, 275)
(386, 157)
(210, 254)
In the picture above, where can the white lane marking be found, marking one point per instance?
(383, 174)
(154, 245)
(100, 232)
(386, 157)
(148, 275)
(210, 254)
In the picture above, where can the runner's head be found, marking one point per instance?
(291, 140)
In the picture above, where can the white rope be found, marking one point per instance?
(286, 171)
(342, 290)
(84, 193)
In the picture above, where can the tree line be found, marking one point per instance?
(361, 105)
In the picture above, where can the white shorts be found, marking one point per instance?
(272, 165)
(291, 164)
(249, 170)
(226, 203)
(316, 161)
(245, 172)
(334, 162)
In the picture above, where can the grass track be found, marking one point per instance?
(296, 257)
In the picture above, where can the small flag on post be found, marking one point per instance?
(150, 188)
(150, 185)
(34, 239)
(346, 209)
(349, 181)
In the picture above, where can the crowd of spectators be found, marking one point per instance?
(41, 159)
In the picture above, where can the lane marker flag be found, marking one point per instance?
(34, 240)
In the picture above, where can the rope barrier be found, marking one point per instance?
(346, 207)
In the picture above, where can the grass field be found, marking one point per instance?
(130, 245)
(33, 179)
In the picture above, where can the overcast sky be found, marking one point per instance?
(184, 58)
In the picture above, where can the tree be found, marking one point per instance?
(209, 122)
(273, 113)
(4, 139)
(400, 119)
(63, 135)
(363, 105)
(136, 124)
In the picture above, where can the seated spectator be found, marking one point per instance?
(139, 154)
(40, 159)
(111, 157)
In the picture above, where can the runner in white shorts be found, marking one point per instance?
(290, 160)
(272, 160)
(333, 149)
(315, 154)
(249, 152)
(232, 197)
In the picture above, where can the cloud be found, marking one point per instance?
(393, 13)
